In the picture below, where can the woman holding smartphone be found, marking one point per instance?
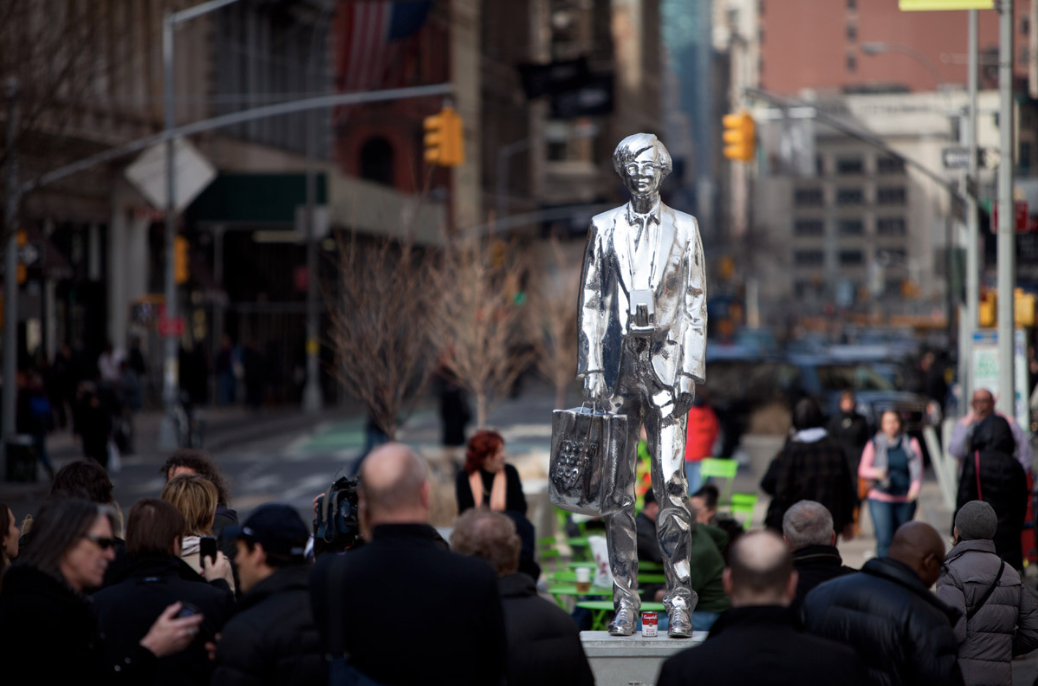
(46, 621)
(894, 464)
(196, 498)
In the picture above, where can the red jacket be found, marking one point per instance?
(703, 429)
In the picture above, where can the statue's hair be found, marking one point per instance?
(634, 145)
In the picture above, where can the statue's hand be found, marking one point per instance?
(594, 387)
(684, 394)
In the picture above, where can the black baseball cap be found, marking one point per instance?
(277, 527)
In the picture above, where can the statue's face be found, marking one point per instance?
(644, 174)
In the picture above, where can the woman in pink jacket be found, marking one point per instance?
(894, 463)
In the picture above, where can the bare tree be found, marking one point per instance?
(479, 316)
(380, 326)
(553, 315)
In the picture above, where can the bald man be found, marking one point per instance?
(410, 611)
(758, 641)
(901, 630)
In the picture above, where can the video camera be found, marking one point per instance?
(337, 525)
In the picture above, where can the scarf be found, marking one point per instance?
(497, 491)
(880, 461)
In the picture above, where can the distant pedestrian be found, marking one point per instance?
(758, 641)
(154, 578)
(543, 641)
(62, 386)
(138, 368)
(273, 639)
(454, 411)
(423, 580)
(47, 627)
(196, 498)
(227, 362)
(990, 473)
(108, 364)
(703, 429)
(34, 416)
(893, 463)
(851, 431)
(704, 504)
(811, 466)
(808, 529)
(999, 616)
(94, 423)
(983, 406)
(902, 632)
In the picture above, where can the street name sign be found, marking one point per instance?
(931, 5)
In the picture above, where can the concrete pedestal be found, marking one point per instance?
(631, 660)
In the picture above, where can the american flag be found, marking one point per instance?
(370, 33)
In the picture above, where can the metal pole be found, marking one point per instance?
(11, 202)
(504, 158)
(972, 229)
(167, 431)
(312, 400)
(1006, 233)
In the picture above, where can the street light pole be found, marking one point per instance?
(879, 47)
(168, 439)
(11, 202)
(1006, 217)
(972, 228)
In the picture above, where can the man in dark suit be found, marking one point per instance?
(409, 611)
(758, 641)
(808, 529)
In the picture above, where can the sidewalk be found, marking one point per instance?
(224, 428)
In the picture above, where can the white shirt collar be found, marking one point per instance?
(653, 214)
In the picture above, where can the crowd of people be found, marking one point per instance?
(182, 592)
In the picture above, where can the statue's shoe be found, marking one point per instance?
(624, 622)
(679, 625)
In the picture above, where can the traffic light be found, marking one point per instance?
(181, 273)
(987, 312)
(444, 143)
(1023, 307)
(739, 136)
(22, 238)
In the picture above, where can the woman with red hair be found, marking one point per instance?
(486, 481)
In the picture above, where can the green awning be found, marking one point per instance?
(254, 198)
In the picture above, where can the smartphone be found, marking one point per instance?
(207, 547)
(188, 610)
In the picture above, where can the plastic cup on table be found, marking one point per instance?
(583, 579)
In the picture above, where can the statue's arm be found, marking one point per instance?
(693, 340)
(589, 314)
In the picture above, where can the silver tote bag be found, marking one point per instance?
(587, 474)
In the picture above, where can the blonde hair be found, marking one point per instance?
(196, 498)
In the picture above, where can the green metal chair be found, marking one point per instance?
(718, 468)
(744, 504)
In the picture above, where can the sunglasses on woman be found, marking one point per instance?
(102, 542)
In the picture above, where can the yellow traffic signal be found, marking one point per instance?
(739, 136)
(181, 273)
(987, 309)
(1023, 307)
(444, 142)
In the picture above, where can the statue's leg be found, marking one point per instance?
(673, 523)
(621, 532)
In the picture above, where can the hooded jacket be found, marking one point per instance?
(1004, 627)
(901, 631)
(1003, 484)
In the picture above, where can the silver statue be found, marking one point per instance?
(642, 351)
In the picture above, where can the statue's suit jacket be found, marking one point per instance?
(679, 282)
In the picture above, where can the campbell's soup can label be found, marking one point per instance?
(649, 623)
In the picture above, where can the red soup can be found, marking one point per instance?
(649, 623)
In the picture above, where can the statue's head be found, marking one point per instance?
(642, 161)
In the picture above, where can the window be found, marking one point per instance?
(805, 289)
(850, 196)
(808, 197)
(852, 5)
(890, 165)
(852, 32)
(890, 226)
(808, 258)
(852, 62)
(556, 151)
(892, 256)
(852, 257)
(850, 165)
(1025, 25)
(890, 195)
(852, 227)
(376, 161)
(819, 165)
(808, 227)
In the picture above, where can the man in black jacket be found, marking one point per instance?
(757, 641)
(403, 583)
(901, 630)
(808, 529)
(543, 641)
(851, 431)
(272, 640)
(154, 577)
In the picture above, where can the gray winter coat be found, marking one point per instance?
(1007, 624)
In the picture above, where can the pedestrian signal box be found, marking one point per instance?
(444, 141)
(181, 273)
(739, 136)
